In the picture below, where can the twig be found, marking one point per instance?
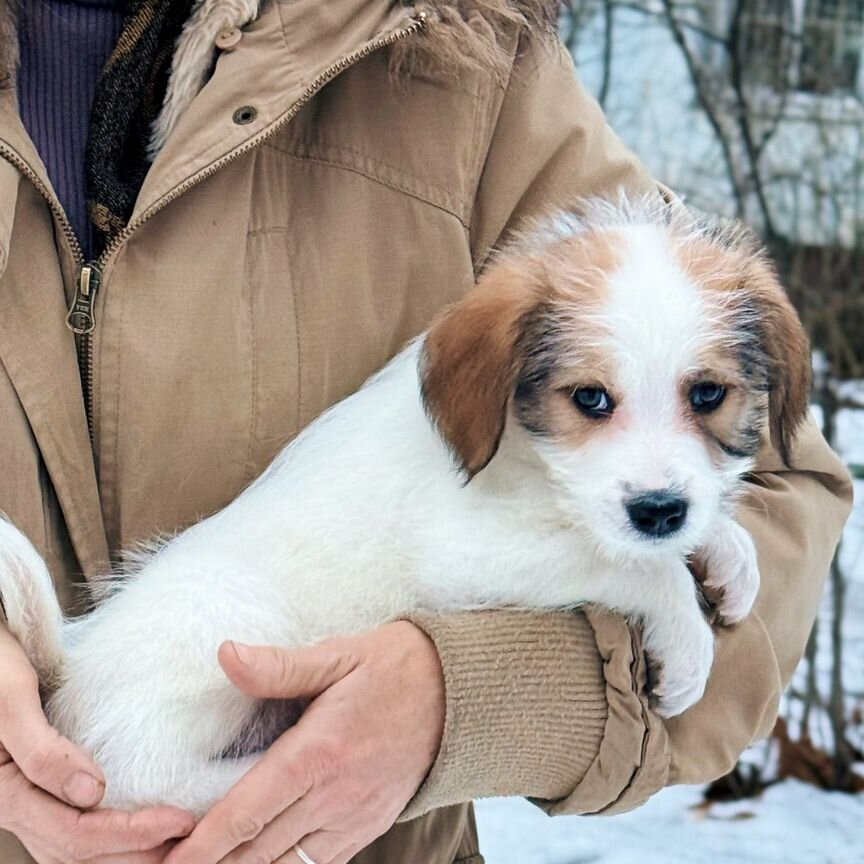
(744, 116)
(705, 101)
(608, 24)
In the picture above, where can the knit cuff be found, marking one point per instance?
(545, 706)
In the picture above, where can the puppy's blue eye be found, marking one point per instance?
(707, 396)
(593, 401)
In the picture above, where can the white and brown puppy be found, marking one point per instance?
(603, 389)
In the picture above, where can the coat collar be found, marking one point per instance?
(283, 57)
(458, 34)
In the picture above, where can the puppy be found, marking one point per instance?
(570, 432)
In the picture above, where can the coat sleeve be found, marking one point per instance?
(552, 706)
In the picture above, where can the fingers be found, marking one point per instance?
(154, 856)
(259, 797)
(279, 673)
(105, 832)
(70, 835)
(277, 838)
(46, 758)
(320, 847)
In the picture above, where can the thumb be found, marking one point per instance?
(44, 757)
(268, 672)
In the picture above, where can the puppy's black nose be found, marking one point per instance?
(657, 514)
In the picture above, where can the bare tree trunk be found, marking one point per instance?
(842, 755)
(811, 694)
(744, 118)
(608, 27)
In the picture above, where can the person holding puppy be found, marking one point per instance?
(218, 223)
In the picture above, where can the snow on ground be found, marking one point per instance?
(791, 823)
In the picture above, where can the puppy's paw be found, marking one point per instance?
(679, 669)
(732, 571)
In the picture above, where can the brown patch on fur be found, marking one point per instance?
(470, 363)
(557, 417)
(522, 331)
(562, 346)
(787, 345)
(580, 266)
(461, 35)
(774, 351)
(733, 429)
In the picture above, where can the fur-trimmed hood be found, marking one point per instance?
(464, 33)
(457, 34)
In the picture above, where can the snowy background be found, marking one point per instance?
(791, 823)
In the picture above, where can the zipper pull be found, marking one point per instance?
(81, 318)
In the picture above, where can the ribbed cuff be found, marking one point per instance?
(633, 760)
(531, 703)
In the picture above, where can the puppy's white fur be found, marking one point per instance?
(363, 519)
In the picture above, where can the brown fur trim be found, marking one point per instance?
(8, 42)
(462, 35)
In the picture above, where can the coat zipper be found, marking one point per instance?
(81, 318)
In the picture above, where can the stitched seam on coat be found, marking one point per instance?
(271, 229)
(289, 233)
(388, 166)
(406, 183)
(482, 160)
(111, 512)
(289, 54)
(248, 469)
(475, 157)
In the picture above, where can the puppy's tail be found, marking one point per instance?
(33, 614)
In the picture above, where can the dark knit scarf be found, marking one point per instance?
(128, 98)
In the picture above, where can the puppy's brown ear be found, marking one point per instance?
(787, 350)
(470, 363)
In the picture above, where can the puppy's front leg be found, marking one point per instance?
(678, 641)
(732, 569)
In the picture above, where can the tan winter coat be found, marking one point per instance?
(308, 215)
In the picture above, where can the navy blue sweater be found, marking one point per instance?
(64, 45)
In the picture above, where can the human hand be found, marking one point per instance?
(344, 773)
(46, 783)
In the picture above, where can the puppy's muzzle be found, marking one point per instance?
(657, 514)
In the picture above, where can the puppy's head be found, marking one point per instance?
(639, 356)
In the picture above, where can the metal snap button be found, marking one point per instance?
(245, 115)
(228, 39)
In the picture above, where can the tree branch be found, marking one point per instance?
(706, 104)
(744, 117)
